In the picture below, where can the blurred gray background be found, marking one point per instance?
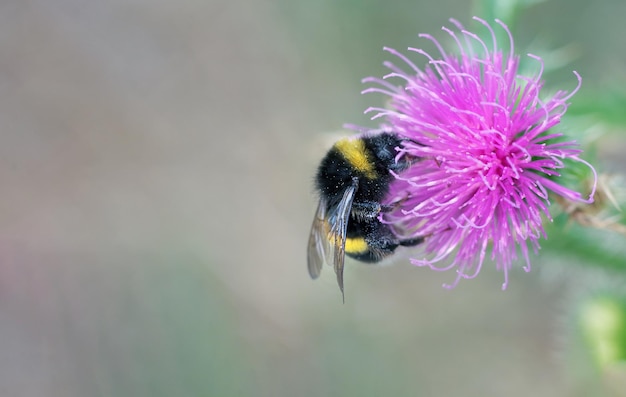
(156, 166)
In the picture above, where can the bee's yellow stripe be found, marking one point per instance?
(353, 150)
(356, 245)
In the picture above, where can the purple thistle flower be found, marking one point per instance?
(488, 153)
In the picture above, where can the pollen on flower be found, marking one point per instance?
(490, 155)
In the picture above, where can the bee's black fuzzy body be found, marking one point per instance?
(352, 181)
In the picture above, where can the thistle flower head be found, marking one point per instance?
(489, 152)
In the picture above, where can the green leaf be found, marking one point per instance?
(588, 247)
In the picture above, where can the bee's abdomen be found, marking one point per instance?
(369, 240)
(356, 246)
(367, 256)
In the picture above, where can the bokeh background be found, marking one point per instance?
(156, 166)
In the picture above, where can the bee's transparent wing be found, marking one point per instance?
(319, 244)
(339, 227)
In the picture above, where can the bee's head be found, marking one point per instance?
(384, 147)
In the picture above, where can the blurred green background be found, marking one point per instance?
(156, 169)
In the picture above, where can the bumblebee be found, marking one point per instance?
(352, 180)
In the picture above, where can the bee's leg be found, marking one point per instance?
(389, 207)
(411, 242)
(371, 209)
(393, 206)
(383, 244)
